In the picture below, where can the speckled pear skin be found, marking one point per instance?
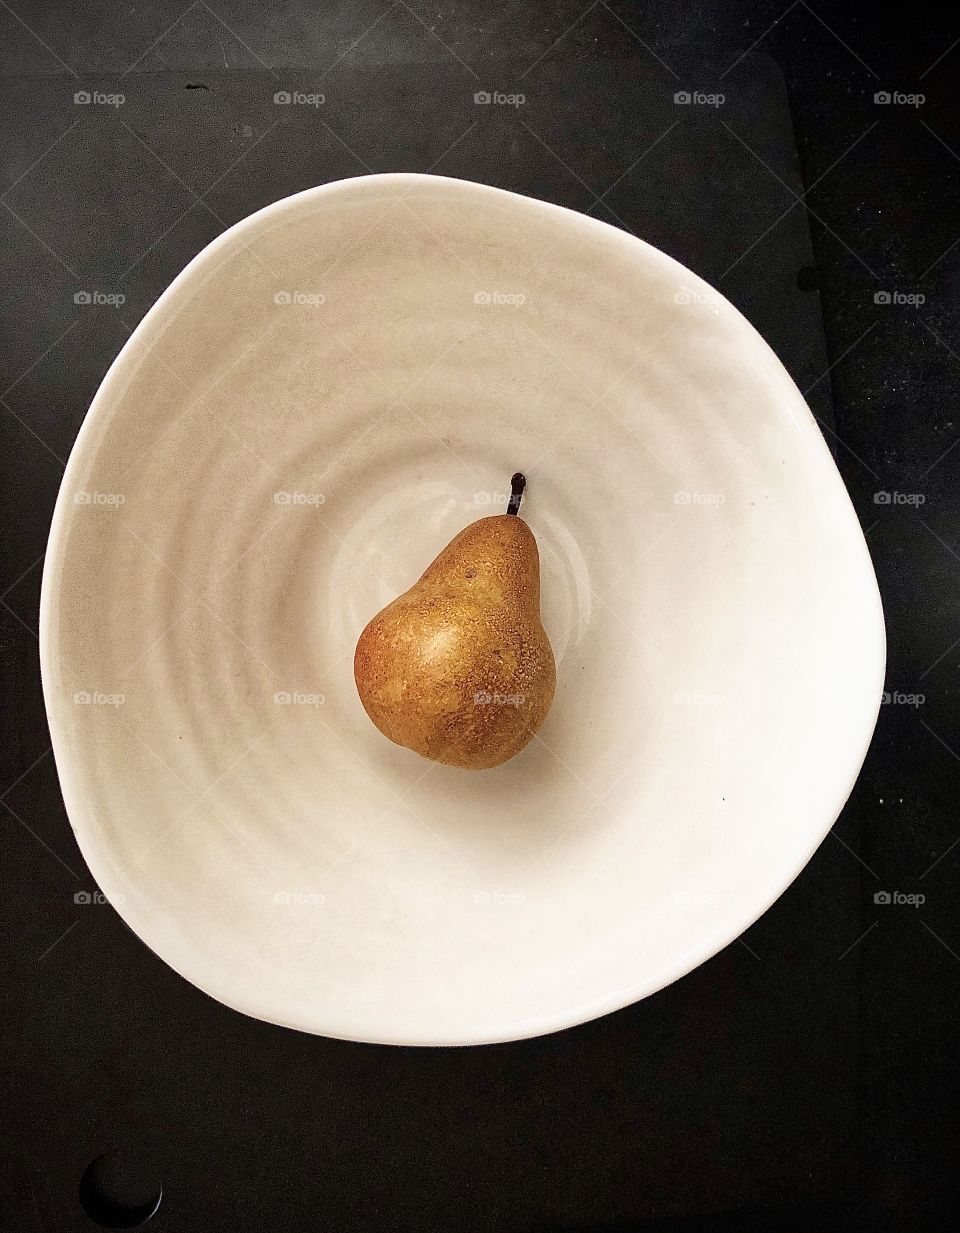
(459, 668)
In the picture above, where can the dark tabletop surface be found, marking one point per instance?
(831, 1103)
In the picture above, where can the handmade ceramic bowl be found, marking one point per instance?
(317, 404)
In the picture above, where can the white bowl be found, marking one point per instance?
(383, 353)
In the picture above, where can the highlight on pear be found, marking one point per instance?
(459, 668)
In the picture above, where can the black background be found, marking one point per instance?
(804, 1078)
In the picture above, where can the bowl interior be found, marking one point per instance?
(325, 396)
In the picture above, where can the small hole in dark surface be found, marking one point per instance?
(119, 1191)
(196, 85)
(808, 278)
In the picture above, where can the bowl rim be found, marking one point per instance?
(524, 1026)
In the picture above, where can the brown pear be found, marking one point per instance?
(459, 668)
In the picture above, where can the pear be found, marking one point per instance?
(459, 668)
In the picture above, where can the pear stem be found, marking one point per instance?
(517, 484)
